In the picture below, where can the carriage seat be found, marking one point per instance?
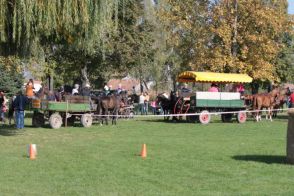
(76, 99)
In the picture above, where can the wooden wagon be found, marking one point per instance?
(65, 112)
(230, 104)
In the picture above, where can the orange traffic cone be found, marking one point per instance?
(33, 151)
(144, 151)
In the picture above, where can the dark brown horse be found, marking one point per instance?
(112, 104)
(167, 103)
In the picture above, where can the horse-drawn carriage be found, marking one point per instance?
(79, 108)
(230, 104)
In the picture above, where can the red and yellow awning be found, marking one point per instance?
(192, 76)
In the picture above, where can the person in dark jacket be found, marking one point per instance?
(19, 106)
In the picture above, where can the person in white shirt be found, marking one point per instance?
(75, 90)
(142, 104)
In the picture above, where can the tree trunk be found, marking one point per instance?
(84, 76)
(235, 34)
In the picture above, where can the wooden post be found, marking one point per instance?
(65, 120)
(290, 137)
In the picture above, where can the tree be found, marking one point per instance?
(11, 79)
(187, 32)
(257, 43)
(285, 60)
(32, 29)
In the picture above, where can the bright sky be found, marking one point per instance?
(291, 6)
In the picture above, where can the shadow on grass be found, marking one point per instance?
(268, 159)
(10, 131)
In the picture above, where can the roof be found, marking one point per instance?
(126, 84)
(192, 76)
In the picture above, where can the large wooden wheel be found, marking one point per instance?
(86, 120)
(241, 117)
(55, 121)
(204, 117)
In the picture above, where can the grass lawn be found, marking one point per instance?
(183, 159)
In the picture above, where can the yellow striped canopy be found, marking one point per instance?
(192, 76)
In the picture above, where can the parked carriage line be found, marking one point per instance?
(194, 106)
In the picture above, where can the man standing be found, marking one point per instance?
(19, 106)
(292, 100)
(142, 103)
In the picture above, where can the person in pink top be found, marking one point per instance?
(240, 88)
(213, 88)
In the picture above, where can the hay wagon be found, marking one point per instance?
(230, 104)
(65, 112)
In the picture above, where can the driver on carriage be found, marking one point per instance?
(75, 90)
(185, 89)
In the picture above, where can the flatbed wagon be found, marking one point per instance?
(65, 112)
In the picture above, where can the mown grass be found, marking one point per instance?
(183, 159)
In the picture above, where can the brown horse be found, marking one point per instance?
(267, 101)
(111, 103)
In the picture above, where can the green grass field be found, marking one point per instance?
(183, 159)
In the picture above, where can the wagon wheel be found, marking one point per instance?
(226, 117)
(86, 120)
(241, 117)
(204, 117)
(178, 107)
(55, 121)
(38, 119)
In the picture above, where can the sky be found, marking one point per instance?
(291, 6)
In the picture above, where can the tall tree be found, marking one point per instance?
(246, 37)
(31, 29)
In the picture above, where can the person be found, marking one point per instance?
(240, 89)
(213, 88)
(133, 90)
(30, 89)
(19, 105)
(291, 101)
(3, 107)
(75, 90)
(51, 96)
(146, 102)
(153, 106)
(119, 88)
(106, 88)
(11, 109)
(86, 91)
(185, 88)
(141, 103)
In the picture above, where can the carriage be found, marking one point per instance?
(65, 112)
(230, 104)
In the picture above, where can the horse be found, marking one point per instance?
(111, 103)
(265, 100)
(167, 103)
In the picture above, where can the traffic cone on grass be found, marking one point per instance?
(32, 151)
(144, 151)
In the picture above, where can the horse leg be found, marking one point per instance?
(106, 116)
(270, 114)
